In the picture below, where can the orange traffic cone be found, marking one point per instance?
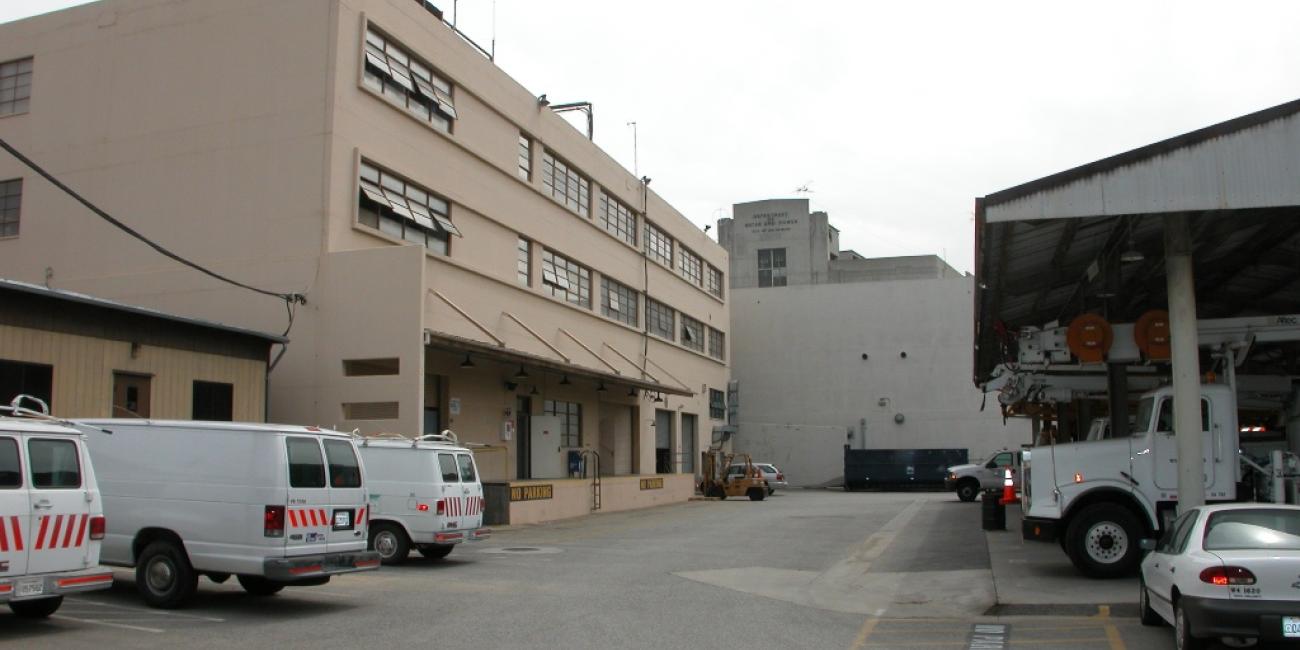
(1008, 489)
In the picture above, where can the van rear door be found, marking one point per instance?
(307, 518)
(58, 538)
(472, 491)
(450, 492)
(346, 530)
(15, 507)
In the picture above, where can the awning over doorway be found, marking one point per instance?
(481, 350)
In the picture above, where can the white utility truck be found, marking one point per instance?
(424, 493)
(51, 516)
(274, 505)
(1100, 498)
(969, 479)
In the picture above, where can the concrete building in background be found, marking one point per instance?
(469, 259)
(832, 348)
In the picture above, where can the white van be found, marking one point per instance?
(274, 505)
(51, 517)
(424, 493)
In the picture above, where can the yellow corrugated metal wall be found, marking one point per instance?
(84, 367)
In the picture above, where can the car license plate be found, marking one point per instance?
(1291, 627)
(30, 588)
(342, 520)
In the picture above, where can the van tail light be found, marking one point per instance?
(273, 521)
(97, 525)
(780, 476)
(442, 507)
(1223, 576)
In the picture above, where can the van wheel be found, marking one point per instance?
(163, 575)
(259, 586)
(967, 490)
(36, 608)
(436, 551)
(757, 494)
(1102, 541)
(390, 542)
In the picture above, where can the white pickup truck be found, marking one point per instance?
(969, 479)
(1099, 498)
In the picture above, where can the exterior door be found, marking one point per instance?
(15, 507)
(346, 497)
(308, 513)
(523, 436)
(131, 398)
(58, 536)
(1166, 446)
(1160, 580)
(663, 441)
(688, 443)
(471, 492)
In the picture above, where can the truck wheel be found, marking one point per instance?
(163, 575)
(1148, 615)
(968, 489)
(36, 608)
(436, 551)
(391, 543)
(1102, 541)
(259, 586)
(717, 492)
(757, 494)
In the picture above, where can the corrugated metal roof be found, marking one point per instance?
(72, 296)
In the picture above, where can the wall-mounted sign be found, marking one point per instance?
(652, 483)
(767, 222)
(453, 405)
(532, 492)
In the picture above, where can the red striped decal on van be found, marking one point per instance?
(313, 517)
(324, 518)
(361, 516)
(67, 536)
(18, 533)
(40, 537)
(81, 530)
(54, 535)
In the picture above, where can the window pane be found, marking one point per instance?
(467, 473)
(54, 463)
(447, 464)
(11, 471)
(306, 469)
(344, 470)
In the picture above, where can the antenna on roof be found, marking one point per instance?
(804, 189)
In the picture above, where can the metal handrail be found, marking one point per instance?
(595, 479)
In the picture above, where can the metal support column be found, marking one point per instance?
(1186, 362)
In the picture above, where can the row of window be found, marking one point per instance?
(11, 200)
(570, 414)
(403, 209)
(395, 73)
(52, 464)
(570, 281)
(132, 393)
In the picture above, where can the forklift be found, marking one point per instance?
(716, 482)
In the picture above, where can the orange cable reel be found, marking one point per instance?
(1151, 334)
(1089, 338)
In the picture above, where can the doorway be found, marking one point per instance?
(131, 395)
(523, 436)
(663, 441)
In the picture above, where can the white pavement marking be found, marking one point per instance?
(150, 612)
(848, 586)
(106, 623)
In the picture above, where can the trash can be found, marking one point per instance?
(995, 514)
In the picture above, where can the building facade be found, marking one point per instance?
(868, 353)
(90, 358)
(469, 260)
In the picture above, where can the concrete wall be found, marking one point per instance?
(804, 383)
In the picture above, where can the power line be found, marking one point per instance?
(290, 299)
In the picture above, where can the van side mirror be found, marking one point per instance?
(1147, 544)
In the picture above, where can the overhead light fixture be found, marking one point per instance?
(659, 398)
(564, 381)
(522, 374)
(467, 363)
(631, 392)
(533, 391)
(601, 387)
(1131, 253)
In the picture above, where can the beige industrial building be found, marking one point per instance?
(90, 358)
(470, 261)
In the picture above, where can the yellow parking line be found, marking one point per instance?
(1112, 635)
(868, 626)
(1103, 611)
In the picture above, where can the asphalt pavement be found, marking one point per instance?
(801, 569)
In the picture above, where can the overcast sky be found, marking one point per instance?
(896, 115)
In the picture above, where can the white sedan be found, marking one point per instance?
(1230, 571)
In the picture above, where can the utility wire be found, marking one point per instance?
(290, 299)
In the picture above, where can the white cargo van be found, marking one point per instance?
(424, 493)
(51, 517)
(274, 505)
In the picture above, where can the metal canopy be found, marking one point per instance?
(1051, 249)
(443, 341)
